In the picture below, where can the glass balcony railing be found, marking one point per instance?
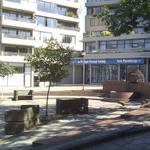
(19, 19)
(18, 36)
(68, 28)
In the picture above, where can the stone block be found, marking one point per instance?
(18, 127)
(120, 95)
(19, 115)
(36, 108)
(14, 128)
(72, 106)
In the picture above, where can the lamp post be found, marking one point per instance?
(83, 67)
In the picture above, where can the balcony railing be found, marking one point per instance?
(18, 36)
(19, 19)
(68, 28)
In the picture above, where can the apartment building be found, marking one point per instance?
(25, 24)
(111, 58)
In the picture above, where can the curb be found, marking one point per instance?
(92, 138)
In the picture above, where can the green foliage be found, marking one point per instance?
(6, 69)
(50, 61)
(129, 15)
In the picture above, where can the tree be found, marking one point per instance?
(50, 63)
(5, 70)
(128, 15)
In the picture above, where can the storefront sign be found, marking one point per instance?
(108, 61)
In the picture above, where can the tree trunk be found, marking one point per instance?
(46, 112)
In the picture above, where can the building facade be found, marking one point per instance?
(108, 57)
(25, 24)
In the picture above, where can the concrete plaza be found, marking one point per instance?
(102, 117)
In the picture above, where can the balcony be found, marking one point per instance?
(68, 28)
(101, 2)
(17, 40)
(24, 5)
(18, 22)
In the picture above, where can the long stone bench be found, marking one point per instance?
(23, 95)
(72, 106)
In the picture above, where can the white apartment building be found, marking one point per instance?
(25, 24)
(109, 57)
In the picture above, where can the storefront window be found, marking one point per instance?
(101, 73)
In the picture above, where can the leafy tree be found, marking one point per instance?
(50, 63)
(129, 15)
(6, 70)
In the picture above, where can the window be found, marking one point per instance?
(41, 21)
(138, 43)
(90, 46)
(111, 44)
(15, 51)
(102, 45)
(68, 39)
(10, 51)
(120, 44)
(47, 6)
(51, 22)
(19, 69)
(147, 44)
(128, 44)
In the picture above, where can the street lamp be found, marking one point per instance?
(83, 67)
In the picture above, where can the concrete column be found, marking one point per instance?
(90, 74)
(146, 77)
(73, 73)
(118, 71)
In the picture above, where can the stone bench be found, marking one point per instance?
(72, 106)
(23, 95)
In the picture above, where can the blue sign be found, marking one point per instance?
(108, 61)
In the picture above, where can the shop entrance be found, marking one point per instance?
(100, 73)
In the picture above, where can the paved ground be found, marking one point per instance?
(101, 118)
(96, 120)
(136, 142)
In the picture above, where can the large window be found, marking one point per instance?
(51, 22)
(16, 33)
(125, 44)
(47, 6)
(16, 51)
(48, 22)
